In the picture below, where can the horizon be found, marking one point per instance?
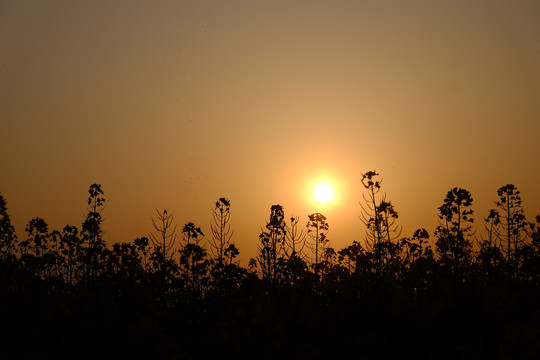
(477, 234)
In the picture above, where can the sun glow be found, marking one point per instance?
(323, 193)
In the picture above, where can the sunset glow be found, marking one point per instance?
(269, 178)
(176, 104)
(323, 193)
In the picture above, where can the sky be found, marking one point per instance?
(174, 104)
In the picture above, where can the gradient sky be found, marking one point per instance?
(173, 104)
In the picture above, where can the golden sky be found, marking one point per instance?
(173, 104)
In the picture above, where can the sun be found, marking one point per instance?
(323, 193)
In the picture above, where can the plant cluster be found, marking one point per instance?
(176, 294)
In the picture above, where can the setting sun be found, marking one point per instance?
(323, 193)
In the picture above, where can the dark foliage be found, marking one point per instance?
(65, 294)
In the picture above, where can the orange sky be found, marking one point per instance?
(173, 104)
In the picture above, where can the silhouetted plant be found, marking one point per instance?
(418, 261)
(192, 257)
(38, 237)
(415, 247)
(228, 274)
(379, 216)
(370, 214)
(317, 229)
(92, 234)
(529, 255)
(296, 272)
(8, 238)
(36, 245)
(142, 245)
(125, 260)
(328, 262)
(491, 224)
(452, 233)
(252, 266)
(221, 247)
(535, 231)
(293, 262)
(388, 215)
(295, 239)
(490, 257)
(348, 256)
(163, 243)
(231, 253)
(512, 221)
(52, 258)
(71, 252)
(271, 244)
(221, 228)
